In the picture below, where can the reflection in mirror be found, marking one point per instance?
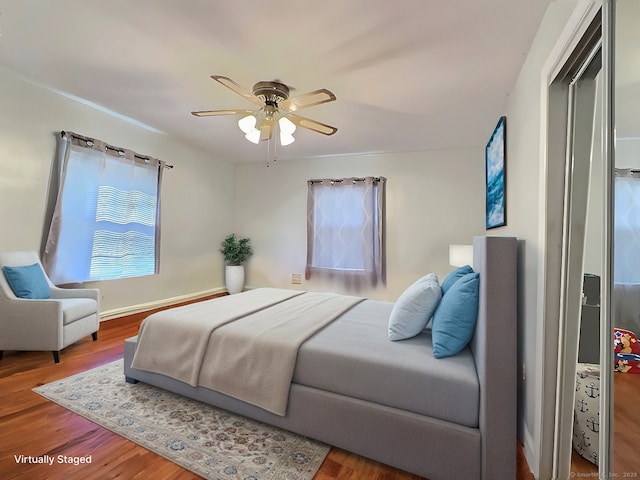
(586, 418)
(572, 93)
(626, 264)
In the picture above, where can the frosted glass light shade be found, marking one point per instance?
(253, 136)
(286, 139)
(286, 126)
(460, 255)
(247, 124)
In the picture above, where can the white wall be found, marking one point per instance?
(434, 198)
(628, 151)
(524, 157)
(593, 247)
(196, 197)
(627, 145)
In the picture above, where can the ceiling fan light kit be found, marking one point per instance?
(247, 124)
(275, 115)
(286, 126)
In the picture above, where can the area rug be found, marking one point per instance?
(210, 442)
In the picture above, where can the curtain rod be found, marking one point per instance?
(109, 147)
(630, 170)
(340, 180)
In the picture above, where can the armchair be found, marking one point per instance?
(44, 324)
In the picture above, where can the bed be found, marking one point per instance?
(393, 402)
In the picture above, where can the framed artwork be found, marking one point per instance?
(495, 176)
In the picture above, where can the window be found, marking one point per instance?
(105, 222)
(626, 226)
(345, 229)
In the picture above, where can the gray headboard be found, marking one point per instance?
(494, 348)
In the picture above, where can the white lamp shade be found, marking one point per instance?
(286, 126)
(460, 255)
(253, 136)
(247, 124)
(286, 139)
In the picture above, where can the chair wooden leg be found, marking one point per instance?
(94, 335)
(56, 356)
(1, 353)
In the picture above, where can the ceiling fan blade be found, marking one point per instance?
(212, 113)
(312, 124)
(239, 89)
(317, 97)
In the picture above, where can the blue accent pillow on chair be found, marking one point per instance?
(454, 321)
(414, 308)
(452, 277)
(28, 281)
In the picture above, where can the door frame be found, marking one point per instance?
(550, 219)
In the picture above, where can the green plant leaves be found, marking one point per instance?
(236, 250)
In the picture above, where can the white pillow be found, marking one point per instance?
(414, 308)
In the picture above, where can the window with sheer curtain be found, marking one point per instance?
(105, 224)
(627, 226)
(345, 230)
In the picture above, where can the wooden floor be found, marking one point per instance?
(31, 425)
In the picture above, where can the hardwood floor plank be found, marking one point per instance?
(626, 427)
(32, 425)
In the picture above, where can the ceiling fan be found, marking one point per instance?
(276, 112)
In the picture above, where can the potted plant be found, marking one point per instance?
(235, 251)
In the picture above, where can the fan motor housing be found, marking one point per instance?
(271, 92)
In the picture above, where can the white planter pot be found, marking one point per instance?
(234, 278)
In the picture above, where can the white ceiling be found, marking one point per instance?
(409, 75)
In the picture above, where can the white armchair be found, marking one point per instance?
(44, 324)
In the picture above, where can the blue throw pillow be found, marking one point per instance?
(454, 321)
(28, 281)
(450, 279)
(414, 308)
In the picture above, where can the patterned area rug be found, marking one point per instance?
(210, 442)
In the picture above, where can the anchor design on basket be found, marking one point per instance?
(582, 404)
(593, 425)
(584, 440)
(580, 448)
(592, 390)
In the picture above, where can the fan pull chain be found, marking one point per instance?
(268, 151)
(276, 136)
(275, 133)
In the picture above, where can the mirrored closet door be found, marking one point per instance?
(617, 376)
(586, 419)
(579, 350)
(599, 350)
(626, 242)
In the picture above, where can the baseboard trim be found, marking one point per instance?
(143, 307)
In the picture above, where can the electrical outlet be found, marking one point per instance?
(296, 279)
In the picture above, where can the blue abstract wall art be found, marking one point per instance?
(495, 163)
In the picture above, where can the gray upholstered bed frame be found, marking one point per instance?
(426, 446)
